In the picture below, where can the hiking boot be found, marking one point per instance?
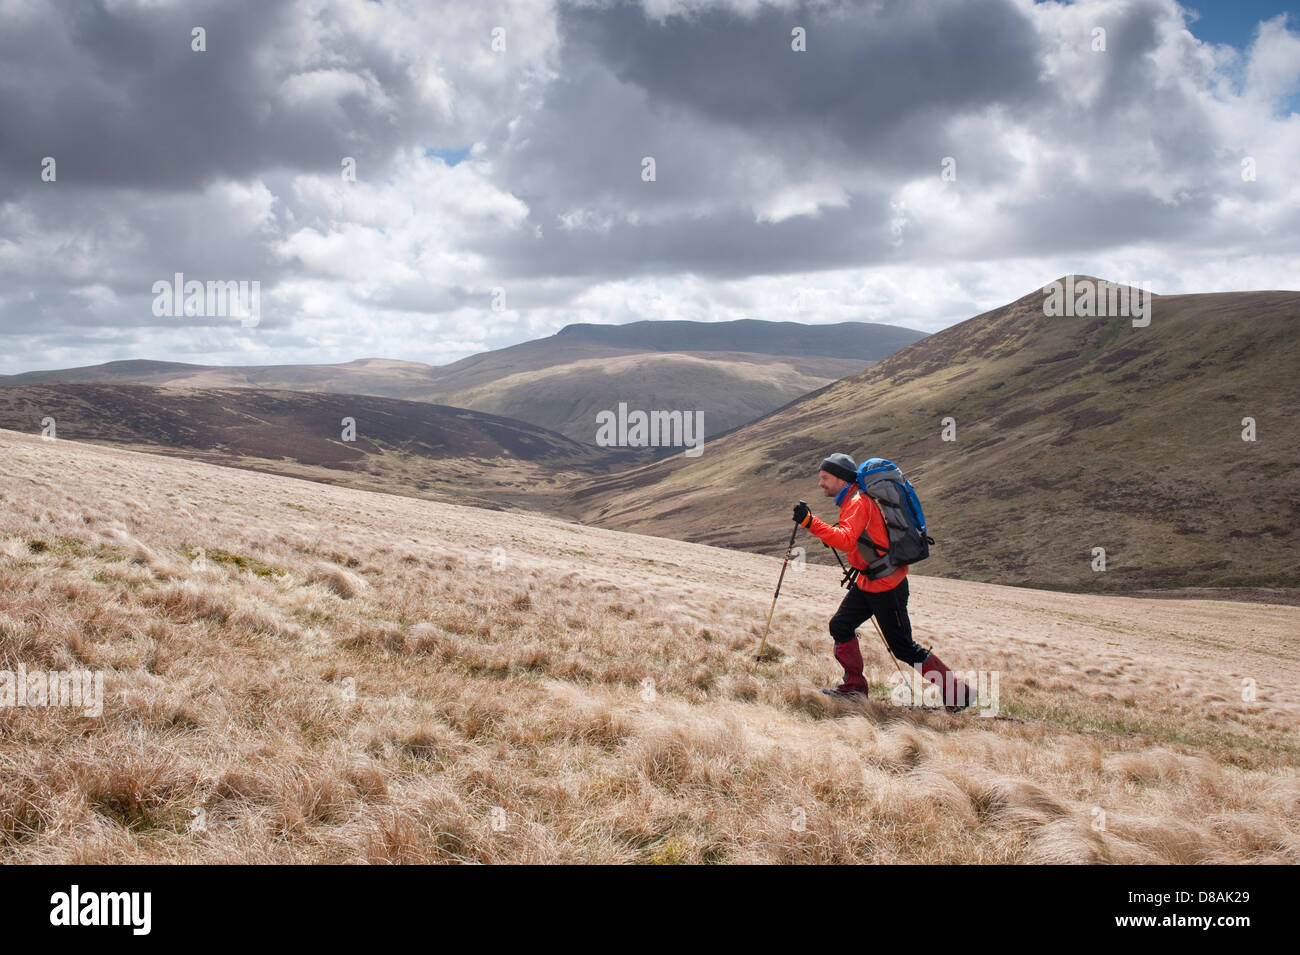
(971, 700)
(957, 696)
(849, 655)
(840, 692)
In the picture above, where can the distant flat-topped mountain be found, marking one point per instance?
(856, 340)
(732, 372)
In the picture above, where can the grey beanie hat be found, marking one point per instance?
(842, 466)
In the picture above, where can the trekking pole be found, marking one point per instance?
(789, 548)
(884, 643)
(887, 650)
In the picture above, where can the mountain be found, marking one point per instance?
(1072, 433)
(858, 340)
(732, 372)
(405, 447)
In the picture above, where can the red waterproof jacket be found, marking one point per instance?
(857, 511)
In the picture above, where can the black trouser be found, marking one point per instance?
(889, 607)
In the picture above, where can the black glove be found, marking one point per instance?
(802, 516)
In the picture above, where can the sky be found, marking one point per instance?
(424, 181)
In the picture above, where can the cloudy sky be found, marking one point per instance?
(919, 161)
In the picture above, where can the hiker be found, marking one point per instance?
(884, 597)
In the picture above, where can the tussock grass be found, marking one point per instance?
(350, 677)
(337, 581)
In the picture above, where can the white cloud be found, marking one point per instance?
(1273, 73)
(403, 237)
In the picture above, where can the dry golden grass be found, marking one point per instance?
(344, 676)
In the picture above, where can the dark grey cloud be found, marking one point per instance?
(727, 244)
(118, 97)
(869, 72)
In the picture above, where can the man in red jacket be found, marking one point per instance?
(884, 598)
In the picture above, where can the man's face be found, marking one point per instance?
(829, 483)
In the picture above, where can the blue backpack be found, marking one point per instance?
(884, 483)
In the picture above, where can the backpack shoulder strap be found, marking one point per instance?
(865, 537)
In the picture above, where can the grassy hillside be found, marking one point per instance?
(1071, 434)
(403, 447)
(729, 389)
(301, 673)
